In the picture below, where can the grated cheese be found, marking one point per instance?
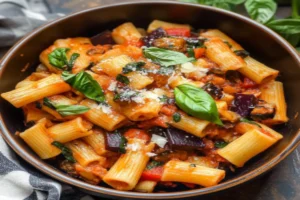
(150, 154)
(159, 140)
(112, 86)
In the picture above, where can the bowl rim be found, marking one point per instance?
(60, 176)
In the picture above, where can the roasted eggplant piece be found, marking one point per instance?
(113, 141)
(262, 111)
(243, 104)
(158, 33)
(182, 140)
(102, 38)
(213, 90)
(174, 44)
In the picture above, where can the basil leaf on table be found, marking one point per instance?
(287, 28)
(166, 57)
(84, 83)
(66, 152)
(249, 122)
(196, 102)
(58, 57)
(65, 110)
(261, 10)
(296, 9)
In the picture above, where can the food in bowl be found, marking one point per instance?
(144, 110)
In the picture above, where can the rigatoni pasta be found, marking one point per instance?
(151, 111)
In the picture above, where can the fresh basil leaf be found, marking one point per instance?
(250, 122)
(242, 53)
(176, 117)
(58, 57)
(196, 102)
(166, 57)
(285, 26)
(72, 60)
(66, 110)
(47, 102)
(123, 144)
(223, 5)
(154, 164)
(66, 152)
(220, 144)
(123, 79)
(134, 66)
(84, 83)
(296, 9)
(261, 10)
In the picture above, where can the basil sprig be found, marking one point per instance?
(65, 110)
(261, 10)
(123, 79)
(166, 57)
(196, 102)
(58, 58)
(66, 152)
(84, 83)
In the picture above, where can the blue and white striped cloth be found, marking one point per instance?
(19, 180)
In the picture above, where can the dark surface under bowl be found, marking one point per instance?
(262, 43)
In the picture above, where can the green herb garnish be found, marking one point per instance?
(220, 144)
(154, 164)
(196, 102)
(134, 66)
(84, 83)
(66, 152)
(123, 143)
(250, 122)
(176, 117)
(58, 58)
(123, 79)
(166, 57)
(242, 53)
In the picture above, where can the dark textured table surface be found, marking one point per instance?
(281, 183)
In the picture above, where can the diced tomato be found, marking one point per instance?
(137, 133)
(248, 83)
(185, 32)
(168, 110)
(198, 52)
(153, 174)
(135, 42)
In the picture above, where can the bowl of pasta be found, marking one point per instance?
(151, 99)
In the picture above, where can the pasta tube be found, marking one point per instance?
(246, 147)
(49, 86)
(190, 173)
(126, 172)
(272, 92)
(103, 116)
(190, 124)
(126, 33)
(220, 53)
(145, 186)
(155, 24)
(38, 139)
(70, 130)
(96, 141)
(84, 154)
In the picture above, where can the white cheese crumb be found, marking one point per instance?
(150, 154)
(133, 147)
(159, 140)
(138, 99)
(112, 86)
(187, 67)
(105, 108)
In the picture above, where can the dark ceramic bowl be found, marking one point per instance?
(264, 44)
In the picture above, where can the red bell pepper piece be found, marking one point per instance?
(185, 32)
(153, 174)
(198, 52)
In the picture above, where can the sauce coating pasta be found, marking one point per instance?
(151, 110)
